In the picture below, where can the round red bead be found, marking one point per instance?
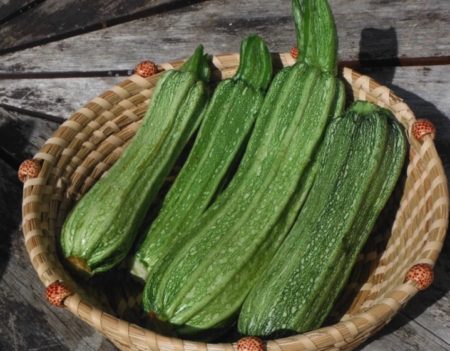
(146, 69)
(56, 293)
(250, 343)
(421, 275)
(29, 169)
(421, 128)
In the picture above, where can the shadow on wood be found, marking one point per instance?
(10, 210)
(10, 189)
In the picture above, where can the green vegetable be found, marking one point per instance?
(316, 33)
(359, 163)
(100, 230)
(226, 125)
(379, 192)
(206, 280)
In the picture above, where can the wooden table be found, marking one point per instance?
(56, 55)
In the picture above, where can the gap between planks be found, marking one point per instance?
(354, 64)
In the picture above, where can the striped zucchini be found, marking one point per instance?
(379, 192)
(226, 125)
(359, 163)
(205, 281)
(100, 230)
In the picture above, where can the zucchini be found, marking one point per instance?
(226, 124)
(258, 263)
(379, 192)
(102, 227)
(205, 281)
(359, 163)
(316, 34)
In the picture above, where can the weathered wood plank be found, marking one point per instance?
(56, 19)
(403, 334)
(10, 7)
(54, 97)
(366, 28)
(27, 321)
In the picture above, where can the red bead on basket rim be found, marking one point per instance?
(56, 293)
(146, 69)
(421, 275)
(250, 343)
(29, 169)
(423, 127)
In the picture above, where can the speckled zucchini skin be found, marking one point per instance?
(101, 228)
(205, 282)
(226, 124)
(359, 163)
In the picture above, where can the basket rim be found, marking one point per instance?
(350, 330)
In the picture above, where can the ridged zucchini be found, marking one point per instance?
(226, 124)
(101, 228)
(380, 190)
(206, 280)
(359, 163)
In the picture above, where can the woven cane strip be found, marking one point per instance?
(413, 242)
(92, 153)
(102, 167)
(86, 145)
(125, 95)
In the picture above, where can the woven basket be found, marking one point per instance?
(87, 144)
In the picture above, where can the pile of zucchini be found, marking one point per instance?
(280, 190)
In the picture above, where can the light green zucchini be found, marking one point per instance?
(102, 227)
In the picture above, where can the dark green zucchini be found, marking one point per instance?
(360, 161)
(379, 192)
(101, 229)
(226, 125)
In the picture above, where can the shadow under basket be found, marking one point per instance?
(87, 144)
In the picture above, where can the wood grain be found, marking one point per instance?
(54, 97)
(404, 334)
(54, 19)
(9, 8)
(367, 29)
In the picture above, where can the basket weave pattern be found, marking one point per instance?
(87, 144)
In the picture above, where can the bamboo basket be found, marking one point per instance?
(87, 144)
